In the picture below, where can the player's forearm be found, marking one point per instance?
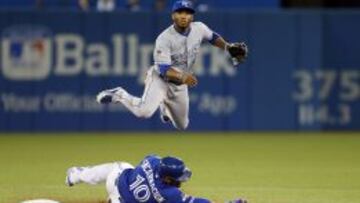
(174, 75)
(220, 43)
(180, 77)
(201, 200)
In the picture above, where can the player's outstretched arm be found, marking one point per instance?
(192, 199)
(233, 201)
(238, 50)
(237, 201)
(201, 200)
(180, 197)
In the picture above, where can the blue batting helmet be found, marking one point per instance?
(183, 5)
(175, 168)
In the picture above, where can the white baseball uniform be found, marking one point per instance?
(107, 172)
(179, 51)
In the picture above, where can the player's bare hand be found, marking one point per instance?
(189, 79)
(238, 201)
(179, 77)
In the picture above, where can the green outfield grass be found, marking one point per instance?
(262, 167)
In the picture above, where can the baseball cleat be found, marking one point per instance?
(108, 96)
(164, 118)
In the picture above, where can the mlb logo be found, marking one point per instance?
(26, 53)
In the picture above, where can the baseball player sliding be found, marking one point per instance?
(167, 81)
(154, 180)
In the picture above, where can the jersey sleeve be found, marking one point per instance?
(208, 34)
(177, 196)
(162, 55)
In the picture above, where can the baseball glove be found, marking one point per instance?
(238, 52)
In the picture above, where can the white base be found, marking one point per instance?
(40, 201)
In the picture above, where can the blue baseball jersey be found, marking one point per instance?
(143, 184)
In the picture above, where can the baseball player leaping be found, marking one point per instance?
(167, 81)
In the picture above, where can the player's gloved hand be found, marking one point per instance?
(238, 52)
(237, 201)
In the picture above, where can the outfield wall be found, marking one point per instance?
(302, 74)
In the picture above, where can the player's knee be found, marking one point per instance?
(145, 113)
(182, 125)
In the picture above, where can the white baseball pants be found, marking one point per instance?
(172, 98)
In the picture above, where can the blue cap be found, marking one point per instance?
(175, 168)
(183, 5)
